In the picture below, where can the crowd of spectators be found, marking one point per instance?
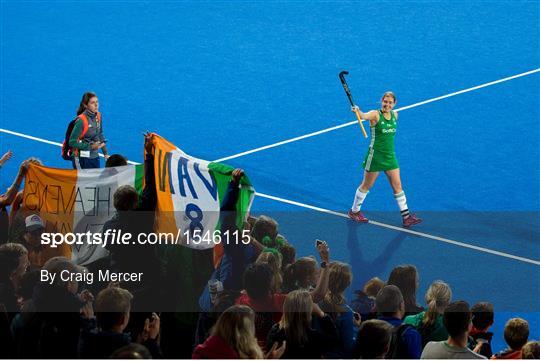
(262, 300)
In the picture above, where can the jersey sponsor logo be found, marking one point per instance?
(389, 130)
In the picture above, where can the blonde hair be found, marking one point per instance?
(236, 326)
(373, 286)
(390, 94)
(339, 279)
(296, 319)
(274, 261)
(438, 296)
(531, 350)
(112, 303)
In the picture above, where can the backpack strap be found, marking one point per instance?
(397, 349)
(84, 120)
(98, 120)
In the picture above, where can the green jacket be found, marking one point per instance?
(435, 332)
(93, 134)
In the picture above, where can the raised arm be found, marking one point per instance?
(149, 196)
(7, 198)
(320, 291)
(372, 116)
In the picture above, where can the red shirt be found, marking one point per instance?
(507, 355)
(214, 348)
(267, 312)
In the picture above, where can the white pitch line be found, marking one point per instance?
(405, 230)
(30, 137)
(45, 141)
(397, 110)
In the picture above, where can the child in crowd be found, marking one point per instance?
(516, 333)
(483, 317)
(364, 303)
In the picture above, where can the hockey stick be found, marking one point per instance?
(349, 95)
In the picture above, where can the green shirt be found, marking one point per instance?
(383, 133)
(435, 332)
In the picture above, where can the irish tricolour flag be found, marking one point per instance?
(189, 193)
(77, 201)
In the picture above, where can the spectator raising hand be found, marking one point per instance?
(276, 352)
(322, 284)
(7, 198)
(237, 174)
(151, 328)
(148, 144)
(7, 156)
(324, 251)
(87, 310)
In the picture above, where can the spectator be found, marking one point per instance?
(233, 337)
(430, 323)
(300, 275)
(268, 306)
(7, 199)
(364, 304)
(135, 215)
(457, 320)
(303, 342)
(4, 216)
(273, 259)
(59, 311)
(303, 274)
(516, 334)
(265, 227)
(288, 254)
(132, 351)
(373, 286)
(14, 198)
(24, 332)
(38, 253)
(335, 305)
(531, 350)
(86, 137)
(112, 307)
(223, 300)
(482, 320)
(236, 257)
(26, 285)
(373, 340)
(406, 279)
(116, 160)
(13, 265)
(407, 343)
